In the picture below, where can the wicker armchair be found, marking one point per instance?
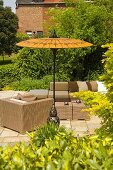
(24, 116)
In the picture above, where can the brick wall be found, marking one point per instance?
(30, 18)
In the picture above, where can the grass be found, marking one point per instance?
(5, 60)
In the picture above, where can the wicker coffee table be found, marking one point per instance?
(77, 112)
(64, 110)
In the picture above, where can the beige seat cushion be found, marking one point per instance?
(26, 97)
(92, 86)
(73, 86)
(82, 86)
(39, 93)
(59, 94)
(59, 86)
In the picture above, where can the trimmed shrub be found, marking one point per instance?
(8, 74)
(102, 104)
(34, 63)
(26, 84)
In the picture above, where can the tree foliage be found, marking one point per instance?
(21, 36)
(8, 30)
(92, 22)
(1, 2)
(34, 63)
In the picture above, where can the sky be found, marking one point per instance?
(10, 3)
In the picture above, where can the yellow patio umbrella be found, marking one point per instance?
(54, 43)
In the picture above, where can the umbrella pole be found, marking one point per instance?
(53, 113)
(54, 58)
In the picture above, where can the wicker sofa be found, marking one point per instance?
(63, 89)
(24, 116)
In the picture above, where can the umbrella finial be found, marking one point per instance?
(54, 35)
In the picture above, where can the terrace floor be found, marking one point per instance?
(80, 127)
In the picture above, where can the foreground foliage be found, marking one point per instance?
(100, 105)
(59, 151)
(107, 76)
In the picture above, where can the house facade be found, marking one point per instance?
(33, 13)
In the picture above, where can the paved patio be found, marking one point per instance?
(80, 127)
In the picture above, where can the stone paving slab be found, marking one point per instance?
(7, 132)
(81, 133)
(79, 126)
(94, 119)
(15, 139)
(66, 123)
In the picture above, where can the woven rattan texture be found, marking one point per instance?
(24, 117)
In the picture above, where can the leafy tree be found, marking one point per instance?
(92, 22)
(21, 36)
(34, 63)
(1, 2)
(107, 3)
(8, 30)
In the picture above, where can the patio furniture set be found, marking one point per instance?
(28, 113)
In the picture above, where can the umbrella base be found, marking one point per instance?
(53, 118)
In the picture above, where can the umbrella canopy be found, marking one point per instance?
(54, 43)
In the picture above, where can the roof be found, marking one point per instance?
(36, 1)
(23, 1)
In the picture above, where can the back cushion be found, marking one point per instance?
(59, 86)
(92, 86)
(82, 85)
(73, 86)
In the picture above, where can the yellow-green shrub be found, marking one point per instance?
(102, 104)
(107, 76)
(64, 152)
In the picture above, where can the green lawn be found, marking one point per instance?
(5, 60)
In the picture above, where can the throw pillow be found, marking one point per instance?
(26, 97)
(73, 86)
(82, 86)
(92, 86)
